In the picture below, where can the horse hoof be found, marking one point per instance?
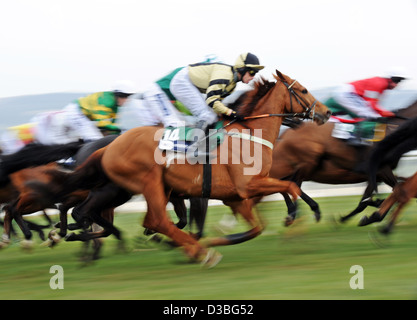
(27, 245)
(70, 237)
(386, 230)
(4, 244)
(375, 217)
(47, 243)
(288, 221)
(343, 219)
(317, 215)
(54, 236)
(364, 221)
(211, 259)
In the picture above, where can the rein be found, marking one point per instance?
(301, 102)
(305, 115)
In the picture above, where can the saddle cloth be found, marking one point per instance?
(180, 138)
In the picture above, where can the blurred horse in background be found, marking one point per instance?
(387, 154)
(17, 168)
(310, 153)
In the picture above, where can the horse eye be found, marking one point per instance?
(304, 91)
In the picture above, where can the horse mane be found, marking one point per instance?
(389, 150)
(246, 103)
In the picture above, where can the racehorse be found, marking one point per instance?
(325, 159)
(12, 173)
(387, 154)
(19, 195)
(152, 173)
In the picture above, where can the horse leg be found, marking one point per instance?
(107, 214)
(402, 193)
(314, 206)
(363, 204)
(198, 212)
(99, 200)
(36, 227)
(292, 210)
(292, 207)
(388, 228)
(263, 186)
(156, 219)
(7, 227)
(180, 210)
(379, 215)
(47, 218)
(27, 243)
(97, 243)
(244, 208)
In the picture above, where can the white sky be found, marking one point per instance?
(86, 45)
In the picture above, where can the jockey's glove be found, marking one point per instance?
(236, 116)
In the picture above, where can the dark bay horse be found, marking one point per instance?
(17, 193)
(310, 153)
(388, 154)
(18, 167)
(152, 173)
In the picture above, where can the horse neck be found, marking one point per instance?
(408, 112)
(403, 114)
(274, 102)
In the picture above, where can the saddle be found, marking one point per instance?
(358, 132)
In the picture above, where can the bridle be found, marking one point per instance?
(309, 112)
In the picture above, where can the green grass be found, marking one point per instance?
(307, 260)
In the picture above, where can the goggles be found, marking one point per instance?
(252, 72)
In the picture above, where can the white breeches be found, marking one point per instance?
(345, 95)
(68, 125)
(184, 90)
(156, 108)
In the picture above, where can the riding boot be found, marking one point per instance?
(356, 139)
(201, 127)
(199, 134)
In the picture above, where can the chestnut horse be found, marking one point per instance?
(310, 153)
(134, 162)
(155, 173)
(387, 154)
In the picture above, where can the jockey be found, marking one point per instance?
(187, 84)
(359, 101)
(98, 111)
(85, 118)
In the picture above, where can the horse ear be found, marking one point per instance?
(279, 75)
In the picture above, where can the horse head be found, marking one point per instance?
(301, 97)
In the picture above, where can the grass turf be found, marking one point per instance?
(307, 260)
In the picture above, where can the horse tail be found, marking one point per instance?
(389, 151)
(85, 177)
(35, 154)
